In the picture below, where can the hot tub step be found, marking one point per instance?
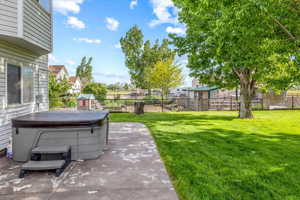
(51, 149)
(57, 165)
(43, 165)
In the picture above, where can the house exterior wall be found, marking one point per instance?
(13, 54)
(8, 17)
(76, 87)
(62, 74)
(26, 23)
(37, 25)
(25, 41)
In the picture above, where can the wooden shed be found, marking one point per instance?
(86, 102)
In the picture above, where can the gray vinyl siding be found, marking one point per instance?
(14, 53)
(37, 25)
(8, 17)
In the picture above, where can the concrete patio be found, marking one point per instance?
(130, 169)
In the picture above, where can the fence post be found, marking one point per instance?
(208, 103)
(231, 104)
(262, 103)
(293, 103)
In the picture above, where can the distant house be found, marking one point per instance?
(86, 102)
(25, 42)
(60, 71)
(178, 92)
(76, 85)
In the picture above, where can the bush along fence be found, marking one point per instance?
(178, 104)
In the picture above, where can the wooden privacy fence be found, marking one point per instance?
(232, 104)
(179, 104)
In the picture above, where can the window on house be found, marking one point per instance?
(27, 84)
(46, 4)
(13, 84)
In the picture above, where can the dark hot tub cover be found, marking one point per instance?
(60, 119)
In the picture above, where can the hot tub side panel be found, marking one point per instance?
(86, 143)
(24, 140)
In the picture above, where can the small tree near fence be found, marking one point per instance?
(165, 75)
(57, 89)
(97, 89)
(141, 55)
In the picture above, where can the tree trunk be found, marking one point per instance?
(149, 92)
(247, 92)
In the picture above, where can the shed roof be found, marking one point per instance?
(86, 96)
(203, 88)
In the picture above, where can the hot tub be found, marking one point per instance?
(85, 131)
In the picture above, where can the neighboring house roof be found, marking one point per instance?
(73, 79)
(203, 88)
(57, 68)
(86, 96)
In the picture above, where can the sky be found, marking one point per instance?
(94, 28)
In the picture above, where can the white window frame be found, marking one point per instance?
(33, 83)
(3, 70)
(6, 89)
(21, 65)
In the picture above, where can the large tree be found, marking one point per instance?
(84, 71)
(164, 76)
(142, 54)
(233, 43)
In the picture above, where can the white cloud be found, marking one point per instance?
(66, 6)
(133, 4)
(87, 40)
(176, 30)
(165, 12)
(70, 62)
(52, 59)
(117, 46)
(112, 24)
(74, 22)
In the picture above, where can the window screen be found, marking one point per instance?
(27, 84)
(13, 84)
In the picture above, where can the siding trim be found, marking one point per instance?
(20, 18)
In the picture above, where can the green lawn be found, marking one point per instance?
(213, 155)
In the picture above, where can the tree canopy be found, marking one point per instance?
(141, 55)
(97, 89)
(241, 43)
(84, 71)
(57, 89)
(165, 75)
